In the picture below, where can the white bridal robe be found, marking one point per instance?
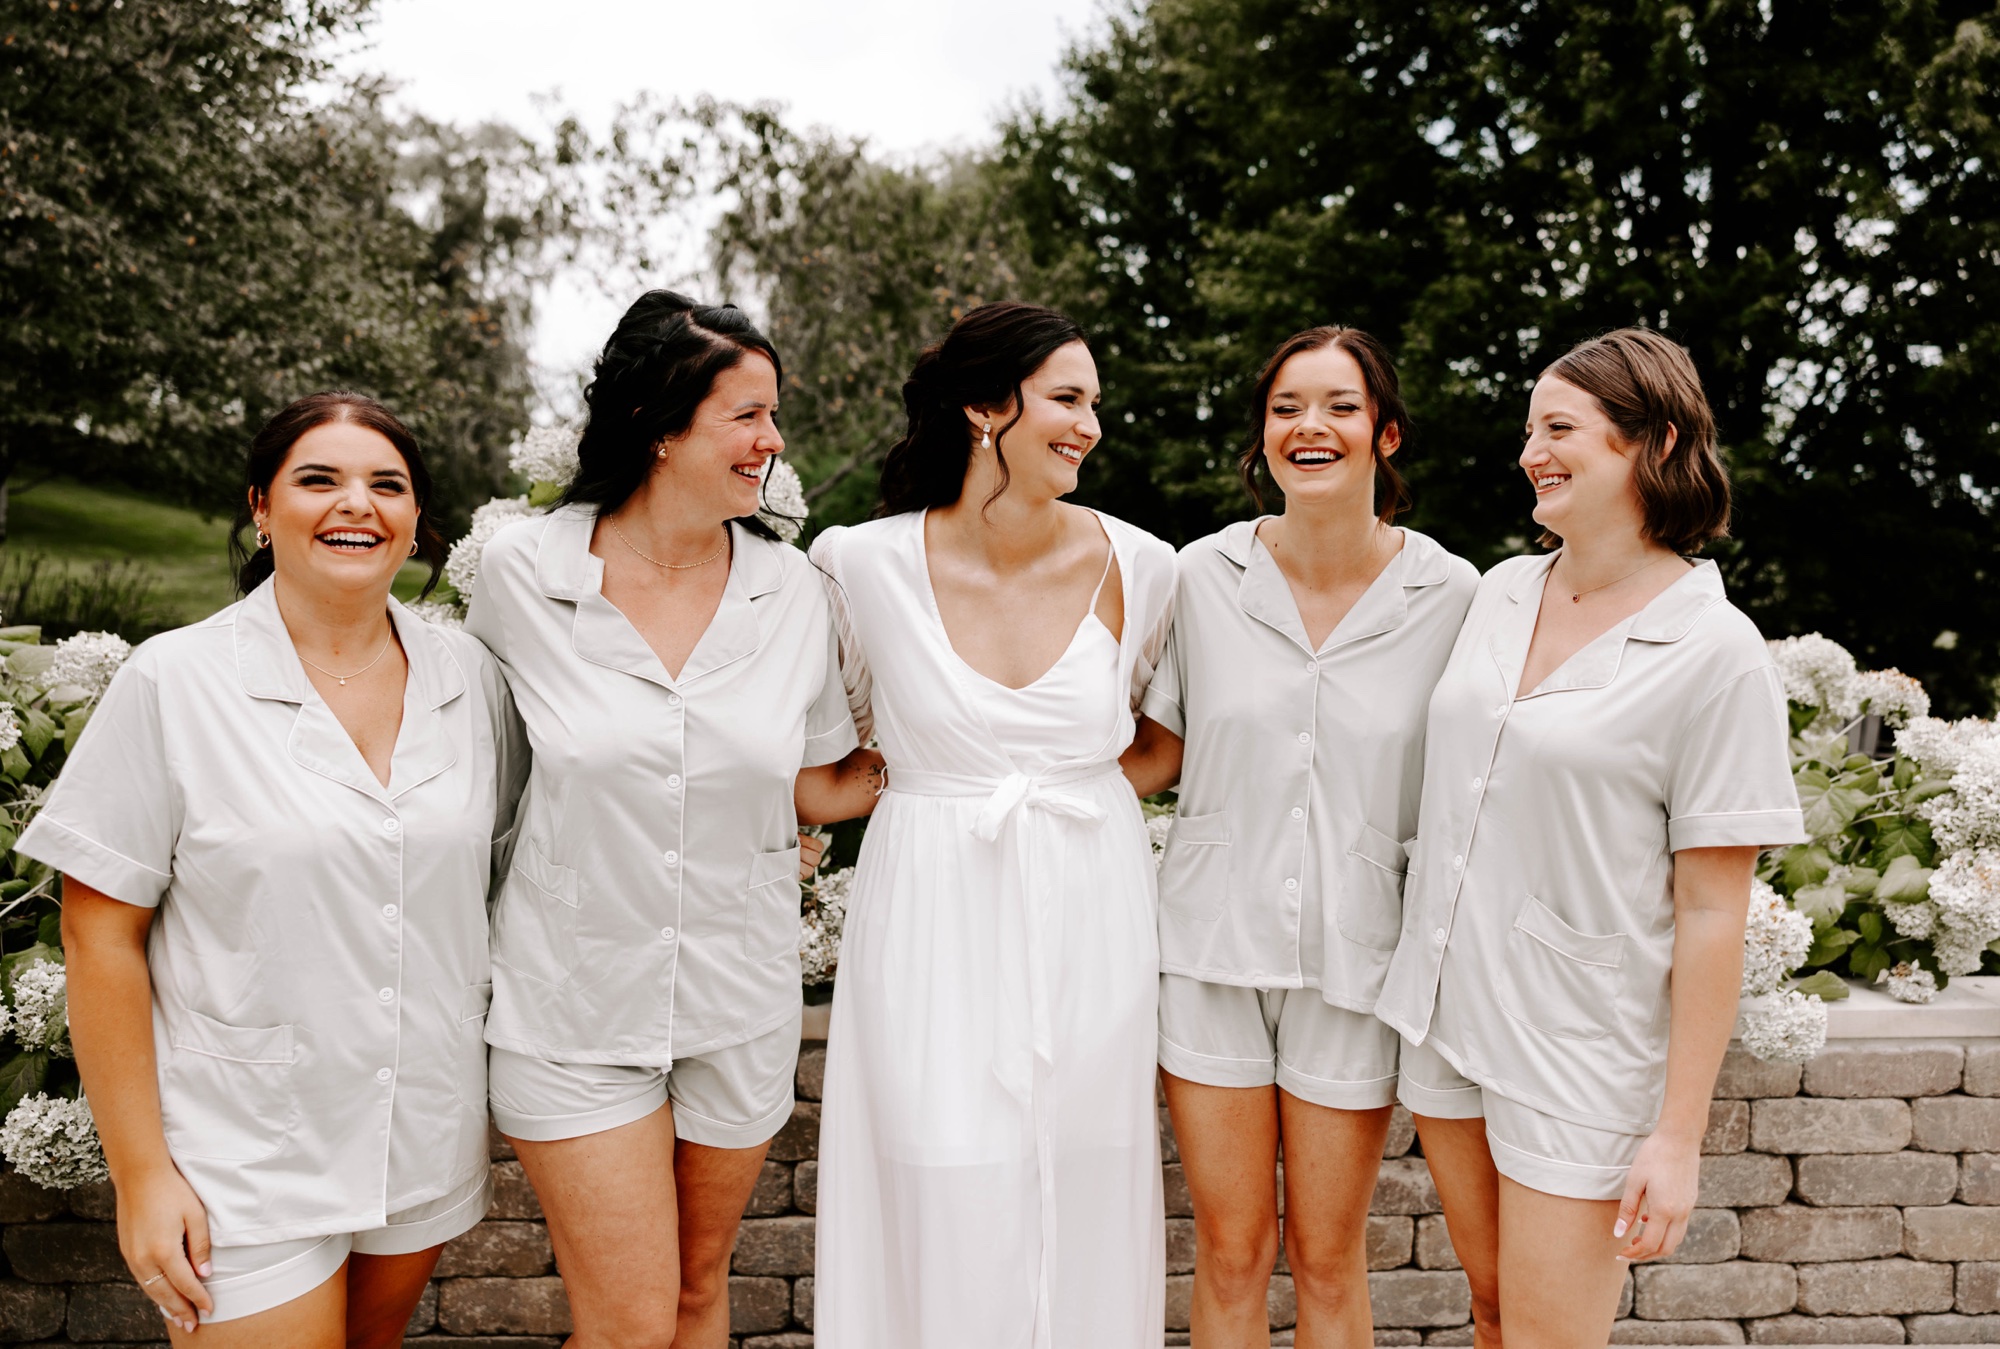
(989, 1148)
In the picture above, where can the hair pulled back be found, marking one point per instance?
(1385, 402)
(273, 444)
(982, 362)
(660, 362)
(1647, 385)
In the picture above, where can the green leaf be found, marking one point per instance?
(1830, 945)
(1821, 903)
(49, 931)
(544, 493)
(1829, 807)
(1905, 774)
(27, 634)
(37, 730)
(20, 1076)
(73, 726)
(1867, 960)
(1825, 985)
(1904, 882)
(1871, 926)
(1804, 864)
(30, 663)
(14, 763)
(1903, 836)
(1861, 881)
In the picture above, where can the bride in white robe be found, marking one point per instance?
(989, 1148)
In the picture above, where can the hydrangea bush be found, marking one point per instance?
(1899, 882)
(46, 697)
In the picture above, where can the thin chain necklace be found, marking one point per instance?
(670, 566)
(1576, 596)
(343, 678)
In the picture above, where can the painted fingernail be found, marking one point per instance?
(1618, 1230)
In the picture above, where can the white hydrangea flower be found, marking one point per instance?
(1785, 1027)
(822, 924)
(547, 454)
(461, 569)
(1910, 983)
(1775, 941)
(1966, 891)
(41, 1006)
(1818, 672)
(1892, 696)
(1157, 829)
(10, 728)
(444, 615)
(1916, 921)
(52, 1140)
(87, 661)
(1968, 816)
(1938, 746)
(6, 1019)
(784, 508)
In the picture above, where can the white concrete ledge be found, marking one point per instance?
(1968, 1009)
(819, 1015)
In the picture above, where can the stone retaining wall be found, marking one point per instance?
(1856, 1201)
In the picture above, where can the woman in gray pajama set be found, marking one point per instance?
(1292, 695)
(674, 664)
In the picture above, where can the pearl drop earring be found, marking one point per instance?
(986, 437)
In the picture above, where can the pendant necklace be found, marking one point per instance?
(1576, 596)
(343, 678)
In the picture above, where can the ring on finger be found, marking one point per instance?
(148, 1283)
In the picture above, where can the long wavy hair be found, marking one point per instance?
(268, 450)
(660, 362)
(982, 362)
(1385, 403)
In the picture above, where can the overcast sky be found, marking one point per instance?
(910, 75)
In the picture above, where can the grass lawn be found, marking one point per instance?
(78, 524)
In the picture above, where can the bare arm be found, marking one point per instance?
(1711, 900)
(162, 1226)
(841, 790)
(1152, 762)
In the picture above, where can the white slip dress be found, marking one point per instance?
(989, 1151)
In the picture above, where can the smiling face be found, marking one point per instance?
(1581, 471)
(1319, 430)
(1058, 424)
(718, 463)
(340, 510)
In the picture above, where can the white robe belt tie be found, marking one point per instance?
(1021, 947)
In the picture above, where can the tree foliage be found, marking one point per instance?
(188, 241)
(1803, 193)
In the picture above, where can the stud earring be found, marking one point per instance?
(986, 437)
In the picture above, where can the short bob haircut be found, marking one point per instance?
(1385, 401)
(273, 445)
(1646, 384)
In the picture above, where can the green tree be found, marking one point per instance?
(1803, 193)
(188, 241)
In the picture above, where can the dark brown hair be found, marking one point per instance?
(274, 443)
(1385, 402)
(1646, 384)
(982, 362)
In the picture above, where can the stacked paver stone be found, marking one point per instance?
(1854, 1202)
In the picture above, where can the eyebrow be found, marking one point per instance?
(1331, 393)
(329, 468)
(754, 403)
(1069, 388)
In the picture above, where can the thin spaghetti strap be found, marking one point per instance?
(1110, 556)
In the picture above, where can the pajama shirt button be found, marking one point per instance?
(383, 1074)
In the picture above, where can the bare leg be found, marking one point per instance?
(714, 1186)
(382, 1292)
(1559, 1270)
(1229, 1150)
(314, 1320)
(610, 1202)
(1331, 1160)
(1469, 1185)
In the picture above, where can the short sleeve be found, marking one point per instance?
(1152, 594)
(829, 722)
(114, 815)
(857, 682)
(1730, 785)
(1165, 698)
(512, 761)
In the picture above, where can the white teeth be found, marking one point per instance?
(1550, 480)
(1314, 457)
(1075, 456)
(349, 539)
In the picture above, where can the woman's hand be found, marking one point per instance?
(1659, 1197)
(811, 849)
(1152, 762)
(163, 1235)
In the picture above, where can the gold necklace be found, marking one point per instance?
(343, 678)
(1576, 596)
(670, 566)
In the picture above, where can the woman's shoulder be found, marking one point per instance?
(1431, 563)
(837, 545)
(1141, 549)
